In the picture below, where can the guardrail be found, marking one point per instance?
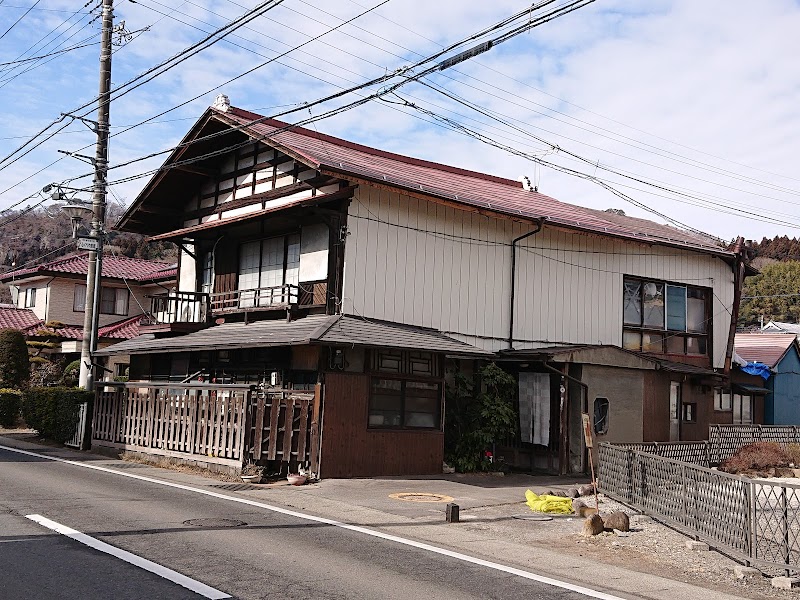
(753, 520)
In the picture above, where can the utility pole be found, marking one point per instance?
(92, 308)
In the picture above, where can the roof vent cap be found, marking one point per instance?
(222, 102)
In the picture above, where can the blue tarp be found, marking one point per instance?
(757, 368)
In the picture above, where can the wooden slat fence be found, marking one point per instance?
(207, 421)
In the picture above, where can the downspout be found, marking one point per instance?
(539, 224)
(738, 283)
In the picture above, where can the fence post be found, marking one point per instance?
(785, 526)
(750, 520)
(685, 503)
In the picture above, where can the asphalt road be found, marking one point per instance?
(265, 555)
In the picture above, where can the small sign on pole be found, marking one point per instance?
(88, 243)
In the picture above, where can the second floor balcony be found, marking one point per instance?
(200, 307)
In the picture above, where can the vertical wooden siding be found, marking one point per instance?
(458, 278)
(349, 449)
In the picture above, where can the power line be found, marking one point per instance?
(14, 24)
(24, 60)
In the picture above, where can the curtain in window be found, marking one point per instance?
(79, 298)
(121, 302)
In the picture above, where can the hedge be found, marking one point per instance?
(53, 411)
(10, 405)
(15, 368)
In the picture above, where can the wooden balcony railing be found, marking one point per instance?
(199, 307)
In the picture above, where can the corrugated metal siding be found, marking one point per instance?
(569, 286)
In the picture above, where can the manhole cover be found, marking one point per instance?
(214, 523)
(532, 517)
(421, 497)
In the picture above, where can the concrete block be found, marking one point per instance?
(786, 583)
(696, 546)
(742, 572)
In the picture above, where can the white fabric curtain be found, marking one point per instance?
(534, 408)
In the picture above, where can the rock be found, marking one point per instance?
(586, 490)
(785, 583)
(696, 546)
(593, 525)
(617, 520)
(557, 493)
(586, 511)
(577, 505)
(742, 572)
(572, 493)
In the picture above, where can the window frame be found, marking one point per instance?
(30, 297)
(667, 335)
(739, 413)
(253, 300)
(719, 405)
(100, 308)
(688, 412)
(602, 402)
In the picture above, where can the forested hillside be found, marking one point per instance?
(775, 294)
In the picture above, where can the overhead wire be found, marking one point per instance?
(14, 24)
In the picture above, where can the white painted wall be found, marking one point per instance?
(455, 275)
(187, 274)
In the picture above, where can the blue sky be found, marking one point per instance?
(698, 98)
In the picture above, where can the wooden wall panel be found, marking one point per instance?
(349, 449)
(417, 262)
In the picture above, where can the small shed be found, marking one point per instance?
(781, 353)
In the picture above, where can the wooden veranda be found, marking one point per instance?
(227, 424)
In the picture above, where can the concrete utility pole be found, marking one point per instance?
(92, 308)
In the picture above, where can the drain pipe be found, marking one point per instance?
(539, 224)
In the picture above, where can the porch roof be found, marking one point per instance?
(335, 330)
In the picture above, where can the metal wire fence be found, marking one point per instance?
(753, 520)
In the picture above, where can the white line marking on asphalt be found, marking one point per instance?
(357, 528)
(137, 561)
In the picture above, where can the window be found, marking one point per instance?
(79, 298)
(406, 391)
(664, 318)
(207, 274)
(30, 297)
(267, 265)
(600, 416)
(121, 369)
(689, 412)
(402, 403)
(742, 409)
(722, 400)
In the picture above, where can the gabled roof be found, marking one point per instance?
(765, 348)
(17, 318)
(342, 158)
(781, 326)
(114, 267)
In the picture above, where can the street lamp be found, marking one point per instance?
(77, 211)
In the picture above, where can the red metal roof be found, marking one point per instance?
(766, 348)
(118, 267)
(17, 318)
(458, 185)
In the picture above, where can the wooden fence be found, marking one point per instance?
(221, 424)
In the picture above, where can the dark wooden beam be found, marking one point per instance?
(195, 170)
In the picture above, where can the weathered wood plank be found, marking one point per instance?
(272, 449)
(288, 429)
(258, 426)
(302, 432)
(315, 429)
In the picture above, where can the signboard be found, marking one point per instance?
(88, 243)
(587, 429)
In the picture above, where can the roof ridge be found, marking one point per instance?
(262, 120)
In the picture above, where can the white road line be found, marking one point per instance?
(364, 530)
(137, 561)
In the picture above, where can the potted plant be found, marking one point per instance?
(252, 473)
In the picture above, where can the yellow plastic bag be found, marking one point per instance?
(548, 504)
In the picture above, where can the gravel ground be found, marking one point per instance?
(650, 547)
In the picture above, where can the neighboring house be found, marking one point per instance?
(780, 327)
(50, 299)
(309, 259)
(780, 353)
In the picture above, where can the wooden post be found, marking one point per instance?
(587, 434)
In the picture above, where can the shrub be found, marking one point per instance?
(53, 412)
(759, 459)
(793, 450)
(15, 368)
(10, 405)
(71, 373)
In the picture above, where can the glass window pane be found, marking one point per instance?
(272, 271)
(631, 340)
(632, 303)
(696, 310)
(695, 345)
(121, 302)
(675, 345)
(676, 308)
(726, 400)
(653, 303)
(386, 403)
(747, 408)
(249, 259)
(422, 404)
(293, 260)
(653, 342)
(737, 408)
(79, 299)
(107, 299)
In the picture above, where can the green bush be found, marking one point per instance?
(15, 367)
(53, 411)
(10, 405)
(71, 374)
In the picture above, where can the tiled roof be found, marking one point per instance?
(766, 348)
(122, 330)
(17, 318)
(118, 267)
(458, 185)
(322, 329)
